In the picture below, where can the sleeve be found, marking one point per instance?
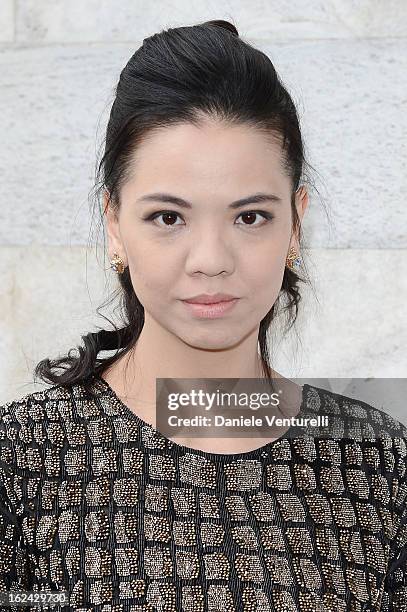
(14, 561)
(395, 584)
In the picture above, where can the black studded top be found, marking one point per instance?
(99, 504)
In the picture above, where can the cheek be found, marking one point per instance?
(156, 272)
(263, 280)
(263, 270)
(150, 283)
(154, 276)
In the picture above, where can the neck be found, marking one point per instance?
(160, 354)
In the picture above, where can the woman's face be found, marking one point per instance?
(209, 246)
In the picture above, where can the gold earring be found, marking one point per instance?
(117, 264)
(293, 260)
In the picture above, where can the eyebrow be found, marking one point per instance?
(253, 199)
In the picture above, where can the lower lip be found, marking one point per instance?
(211, 311)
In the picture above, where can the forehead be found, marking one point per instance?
(210, 153)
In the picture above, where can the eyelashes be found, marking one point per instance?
(171, 213)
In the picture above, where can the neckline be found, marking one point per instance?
(181, 448)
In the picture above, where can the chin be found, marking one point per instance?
(215, 340)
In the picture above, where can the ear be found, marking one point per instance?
(301, 200)
(115, 244)
(301, 203)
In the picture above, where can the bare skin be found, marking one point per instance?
(207, 248)
(146, 410)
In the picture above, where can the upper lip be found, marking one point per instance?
(206, 298)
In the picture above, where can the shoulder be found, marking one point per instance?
(35, 428)
(28, 411)
(378, 439)
(59, 403)
(372, 440)
(350, 412)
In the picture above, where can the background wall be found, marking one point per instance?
(344, 63)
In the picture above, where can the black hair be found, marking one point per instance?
(182, 75)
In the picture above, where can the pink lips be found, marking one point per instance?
(212, 310)
(207, 298)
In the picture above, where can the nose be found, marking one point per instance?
(211, 254)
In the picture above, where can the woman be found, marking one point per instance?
(202, 195)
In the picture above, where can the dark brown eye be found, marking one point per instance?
(165, 214)
(251, 216)
(170, 216)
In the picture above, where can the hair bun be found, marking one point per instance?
(226, 25)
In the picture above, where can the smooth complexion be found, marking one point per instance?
(175, 252)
